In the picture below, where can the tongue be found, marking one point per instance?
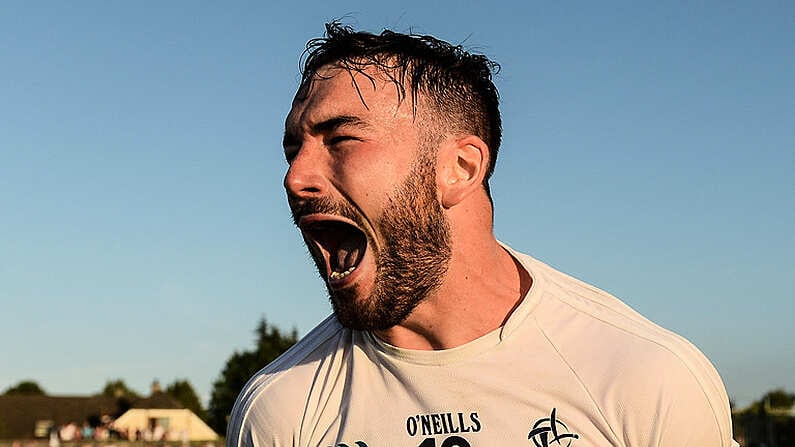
(347, 255)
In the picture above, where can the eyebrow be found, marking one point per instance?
(325, 126)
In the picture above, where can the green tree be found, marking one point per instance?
(767, 421)
(118, 389)
(271, 343)
(124, 396)
(779, 398)
(26, 387)
(183, 392)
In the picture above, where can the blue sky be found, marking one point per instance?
(648, 149)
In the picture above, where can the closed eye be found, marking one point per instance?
(290, 152)
(339, 139)
(291, 145)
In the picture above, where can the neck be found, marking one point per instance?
(482, 286)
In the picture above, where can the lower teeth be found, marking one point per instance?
(339, 275)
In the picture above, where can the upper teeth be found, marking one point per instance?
(339, 275)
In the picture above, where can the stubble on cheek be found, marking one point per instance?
(413, 260)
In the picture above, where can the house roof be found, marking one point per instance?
(19, 413)
(158, 400)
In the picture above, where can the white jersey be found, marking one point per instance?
(572, 366)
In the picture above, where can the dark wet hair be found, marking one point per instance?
(458, 84)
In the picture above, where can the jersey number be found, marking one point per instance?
(452, 441)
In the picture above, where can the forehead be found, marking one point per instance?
(334, 91)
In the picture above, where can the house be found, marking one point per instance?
(34, 416)
(160, 417)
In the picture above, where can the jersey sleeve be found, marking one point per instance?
(669, 405)
(272, 408)
(259, 426)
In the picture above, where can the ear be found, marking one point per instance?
(462, 165)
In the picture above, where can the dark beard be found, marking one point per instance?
(411, 261)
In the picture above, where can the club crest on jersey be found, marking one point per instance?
(549, 430)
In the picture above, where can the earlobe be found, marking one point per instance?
(464, 162)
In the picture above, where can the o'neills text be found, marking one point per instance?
(442, 424)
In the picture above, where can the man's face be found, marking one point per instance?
(362, 189)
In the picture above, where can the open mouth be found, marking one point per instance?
(341, 243)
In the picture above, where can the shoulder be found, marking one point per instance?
(648, 383)
(269, 408)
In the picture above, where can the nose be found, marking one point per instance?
(305, 178)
